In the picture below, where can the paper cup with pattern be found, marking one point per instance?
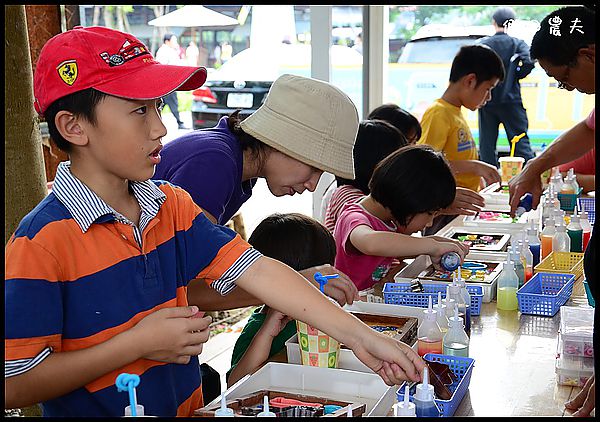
(510, 167)
(316, 347)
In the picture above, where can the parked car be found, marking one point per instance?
(243, 82)
(423, 69)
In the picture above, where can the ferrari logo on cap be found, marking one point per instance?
(68, 71)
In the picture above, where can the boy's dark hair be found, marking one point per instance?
(294, 239)
(81, 103)
(397, 116)
(259, 149)
(562, 50)
(167, 37)
(415, 179)
(479, 59)
(375, 140)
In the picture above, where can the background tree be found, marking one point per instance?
(24, 175)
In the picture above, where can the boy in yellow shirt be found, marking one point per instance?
(475, 71)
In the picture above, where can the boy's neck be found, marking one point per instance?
(452, 95)
(115, 192)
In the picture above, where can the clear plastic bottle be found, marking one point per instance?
(561, 242)
(556, 180)
(456, 341)
(508, 284)
(518, 266)
(429, 334)
(405, 407)
(463, 308)
(266, 412)
(526, 252)
(224, 411)
(424, 399)
(575, 232)
(566, 188)
(547, 235)
(586, 227)
(467, 298)
(441, 317)
(534, 243)
(573, 180)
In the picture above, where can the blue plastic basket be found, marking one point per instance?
(400, 294)
(588, 205)
(589, 295)
(462, 368)
(545, 293)
(568, 200)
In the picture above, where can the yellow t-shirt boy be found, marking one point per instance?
(475, 71)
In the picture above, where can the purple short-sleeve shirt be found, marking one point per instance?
(208, 163)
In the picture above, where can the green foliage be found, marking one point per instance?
(474, 15)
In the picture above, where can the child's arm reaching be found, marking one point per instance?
(167, 335)
(398, 245)
(260, 346)
(284, 289)
(488, 172)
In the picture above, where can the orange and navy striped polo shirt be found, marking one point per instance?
(77, 273)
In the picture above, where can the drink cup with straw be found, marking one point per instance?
(511, 166)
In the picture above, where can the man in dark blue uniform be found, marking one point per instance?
(506, 106)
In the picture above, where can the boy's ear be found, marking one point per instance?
(68, 125)
(470, 80)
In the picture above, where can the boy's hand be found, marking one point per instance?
(274, 323)
(466, 202)
(342, 289)
(392, 360)
(489, 173)
(442, 245)
(172, 335)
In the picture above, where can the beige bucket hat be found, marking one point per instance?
(309, 120)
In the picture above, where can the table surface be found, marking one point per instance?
(514, 371)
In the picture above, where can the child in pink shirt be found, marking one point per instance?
(408, 189)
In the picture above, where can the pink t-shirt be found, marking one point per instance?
(342, 195)
(363, 270)
(586, 164)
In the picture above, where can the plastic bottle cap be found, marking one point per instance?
(405, 407)
(456, 320)
(266, 412)
(139, 410)
(224, 411)
(424, 391)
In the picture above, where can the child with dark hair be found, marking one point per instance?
(408, 189)
(475, 71)
(400, 118)
(300, 242)
(376, 139)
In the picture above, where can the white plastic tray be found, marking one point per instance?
(340, 384)
(475, 221)
(421, 263)
(499, 231)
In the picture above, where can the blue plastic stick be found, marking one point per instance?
(323, 279)
(129, 382)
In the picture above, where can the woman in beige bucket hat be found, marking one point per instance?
(304, 127)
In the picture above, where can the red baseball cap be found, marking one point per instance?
(111, 61)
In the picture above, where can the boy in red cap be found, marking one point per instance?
(96, 275)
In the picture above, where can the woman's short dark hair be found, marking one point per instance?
(415, 179)
(294, 239)
(397, 116)
(479, 59)
(562, 50)
(375, 140)
(81, 104)
(260, 151)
